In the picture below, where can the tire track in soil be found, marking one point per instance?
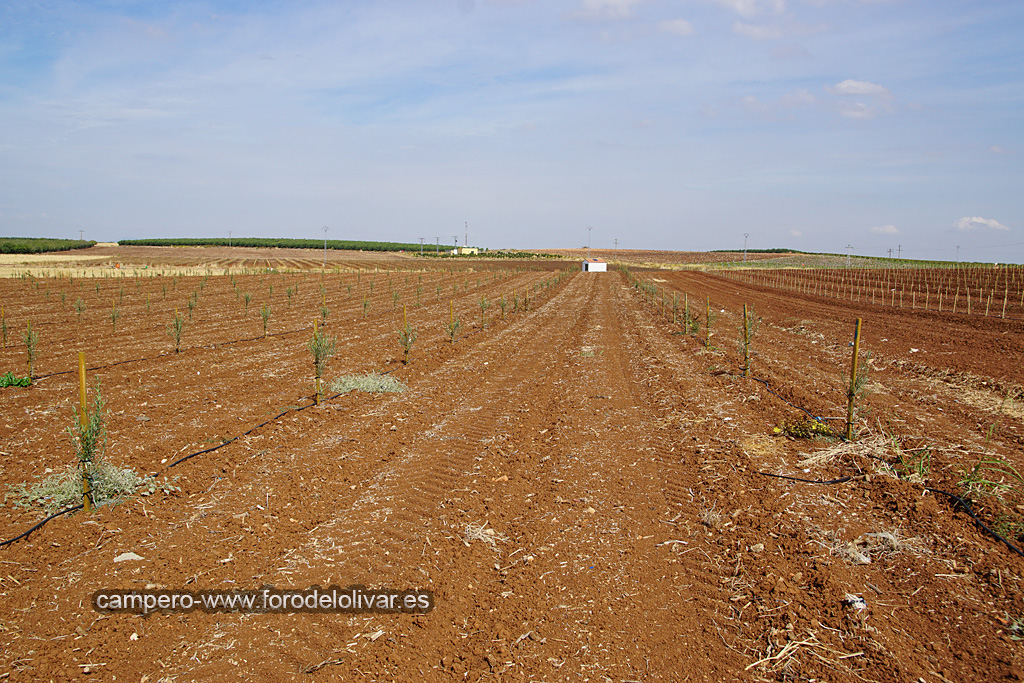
(428, 469)
(796, 583)
(580, 487)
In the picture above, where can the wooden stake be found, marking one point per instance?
(315, 330)
(707, 325)
(83, 420)
(746, 344)
(851, 394)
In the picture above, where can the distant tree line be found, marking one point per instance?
(777, 250)
(38, 245)
(489, 254)
(274, 242)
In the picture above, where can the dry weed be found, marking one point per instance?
(877, 545)
(480, 532)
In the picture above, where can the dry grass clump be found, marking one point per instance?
(878, 545)
(480, 532)
(110, 484)
(709, 516)
(373, 383)
(877, 446)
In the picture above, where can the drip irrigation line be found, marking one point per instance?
(138, 360)
(963, 503)
(789, 403)
(297, 409)
(958, 501)
(840, 480)
(53, 516)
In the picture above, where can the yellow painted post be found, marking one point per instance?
(852, 393)
(84, 421)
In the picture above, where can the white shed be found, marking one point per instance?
(595, 265)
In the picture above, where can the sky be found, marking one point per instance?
(818, 125)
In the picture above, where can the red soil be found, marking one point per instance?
(618, 461)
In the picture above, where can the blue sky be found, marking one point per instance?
(812, 124)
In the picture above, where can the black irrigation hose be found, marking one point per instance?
(961, 502)
(807, 481)
(191, 455)
(53, 516)
(138, 360)
(772, 391)
(247, 433)
(958, 501)
(176, 462)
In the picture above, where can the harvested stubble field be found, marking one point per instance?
(616, 461)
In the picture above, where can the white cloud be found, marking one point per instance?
(783, 106)
(852, 87)
(758, 31)
(776, 30)
(872, 99)
(678, 27)
(800, 98)
(977, 223)
(752, 8)
(996, 149)
(885, 230)
(607, 9)
(795, 233)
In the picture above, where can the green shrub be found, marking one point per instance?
(11, 380)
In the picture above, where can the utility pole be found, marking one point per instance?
(899, 249)
(745, 236)
(467, 235)
(890, 253)
(437, 247)
(848, 248)
(588, 241)
(455, 241)
(325, 247)
(616, 244)
(80, 235)
(421, 247)
(958, 253)
(229, 238)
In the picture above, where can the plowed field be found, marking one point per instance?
(586, 489)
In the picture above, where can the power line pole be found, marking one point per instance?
(745, 236)
(848, 248)
(455, 241)
(80, 232)
(467, 235)
(899, 249)
(325, 247)
(958, 253)
(229, 238)
(890, 253)
(588, 241)
(437, 247)
(421, 247)
(616, 244)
